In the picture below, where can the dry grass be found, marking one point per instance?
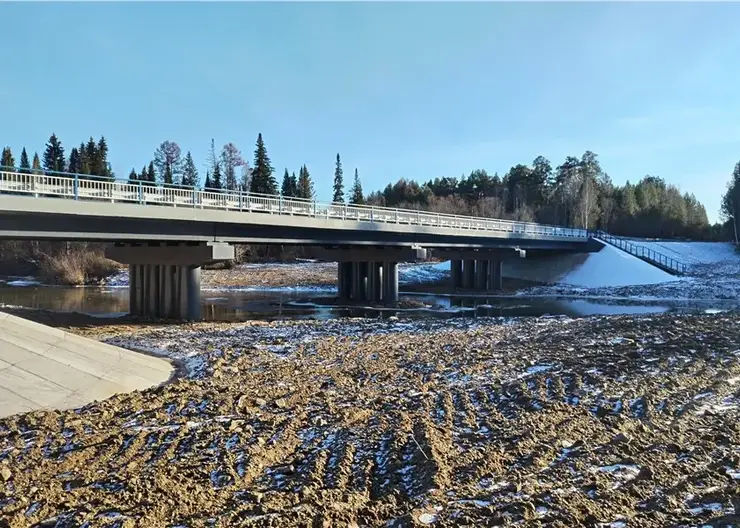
(76, 268)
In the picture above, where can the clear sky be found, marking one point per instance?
(418, 90)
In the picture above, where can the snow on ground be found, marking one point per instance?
(422, 273)
(713, 273)
(612, 267)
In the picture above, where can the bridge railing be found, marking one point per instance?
(86, 187)
(670, 264)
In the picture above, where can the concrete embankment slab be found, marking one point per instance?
(46, 368)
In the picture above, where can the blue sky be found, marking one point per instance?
(418, 90)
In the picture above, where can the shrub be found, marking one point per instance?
(75, 267)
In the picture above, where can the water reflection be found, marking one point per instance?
(245, 305)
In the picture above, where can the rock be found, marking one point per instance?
(622, 438)
(281, 403)
(5, 473)
(260, 402)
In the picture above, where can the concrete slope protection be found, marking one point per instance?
(45, 368)
(691, 253)
(609, 267)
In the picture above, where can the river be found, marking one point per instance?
(240, 305)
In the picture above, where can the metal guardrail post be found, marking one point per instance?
(76, 187)
(141, 193)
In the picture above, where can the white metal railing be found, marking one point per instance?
(84, 187)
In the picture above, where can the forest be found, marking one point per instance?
(576, 193)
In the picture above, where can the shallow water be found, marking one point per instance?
(242, 305)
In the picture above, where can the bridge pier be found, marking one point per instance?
(164, 280)
(368, 273)
(479, 270)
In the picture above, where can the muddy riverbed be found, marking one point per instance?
(603, 421)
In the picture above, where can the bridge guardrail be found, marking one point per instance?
(669, 264)
(86, 187)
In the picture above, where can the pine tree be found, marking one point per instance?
(36, 165)
(287, 190)
(338, 182)
(189, 172)
(263, 180)
(305, 185)
(356, 196)
(54, 155)
(133, 177)
(231, 158)
(25, 164)
(8, 161)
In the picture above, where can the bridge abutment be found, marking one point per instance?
(164, 279)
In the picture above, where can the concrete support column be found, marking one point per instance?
(364, 272)
(193, 293)
(481, 275)
(135, 286)
(495, 275)
(390, 282)
(468, 274)
(356, 278)
(456, 271)
(372, 279)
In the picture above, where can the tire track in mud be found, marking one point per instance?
(542, 422)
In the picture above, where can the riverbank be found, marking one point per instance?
(554, 421)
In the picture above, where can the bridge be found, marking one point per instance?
(165, 233)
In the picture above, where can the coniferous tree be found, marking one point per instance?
(356, 196)
(143, 174)
(305, 185)
(25, 164)
(287, 189)
(263, 180)
(208, 184)
(36, 164)
(133, 177)
(189, 172)
(151, 175)
(338, 182)
(216, 182)
(102, 167)
(74, 165)
(54, 155)
(8, 161)
(91, 157)
(294, 184)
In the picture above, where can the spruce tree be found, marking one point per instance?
(356, 196)
(133, 177)
(54, 155)
(36, 164)
(294, 184)
(208, 184)
(25, 164)
(338, 182)
(74, 161)
(263, 180)
(143, 175)
(102, 167)
(189, 172)
(287, 188)
(8, 161)
(151, 176)
(305, 185)
(216, 182)
(91, 157)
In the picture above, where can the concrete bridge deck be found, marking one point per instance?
(45, 368)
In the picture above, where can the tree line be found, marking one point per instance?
(578, 193)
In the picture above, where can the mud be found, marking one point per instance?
(618, 421)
